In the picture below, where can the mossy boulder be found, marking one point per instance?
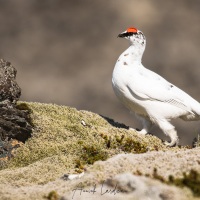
(65, 140)
(77, 138)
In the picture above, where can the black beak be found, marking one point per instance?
(121, 35)
(126, 34)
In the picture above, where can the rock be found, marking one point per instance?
(14, 122)
(9, 89)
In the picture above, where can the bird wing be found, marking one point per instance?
(147, 85)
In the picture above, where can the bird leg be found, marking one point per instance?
(170, 131)
(174, 138)
(146, 125)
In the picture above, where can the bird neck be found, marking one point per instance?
(136, 52)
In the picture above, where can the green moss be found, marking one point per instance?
(190, 180)
(125, 143)
(130, 145)
(53, 195)
(23, 106)
(157, 176)
(92, 153)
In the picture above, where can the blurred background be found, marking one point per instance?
(65, 51)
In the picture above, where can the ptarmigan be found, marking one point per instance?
(153, 99)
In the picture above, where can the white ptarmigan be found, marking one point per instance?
(153, 99)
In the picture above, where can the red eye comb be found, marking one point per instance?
(132, 30)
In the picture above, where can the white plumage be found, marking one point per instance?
(150, 96)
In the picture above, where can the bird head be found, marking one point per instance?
(135, 36)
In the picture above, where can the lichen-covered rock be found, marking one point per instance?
(9, 89)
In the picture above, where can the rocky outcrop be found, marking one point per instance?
(14, 122)
(9, 89)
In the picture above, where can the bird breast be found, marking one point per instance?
(119, 83)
